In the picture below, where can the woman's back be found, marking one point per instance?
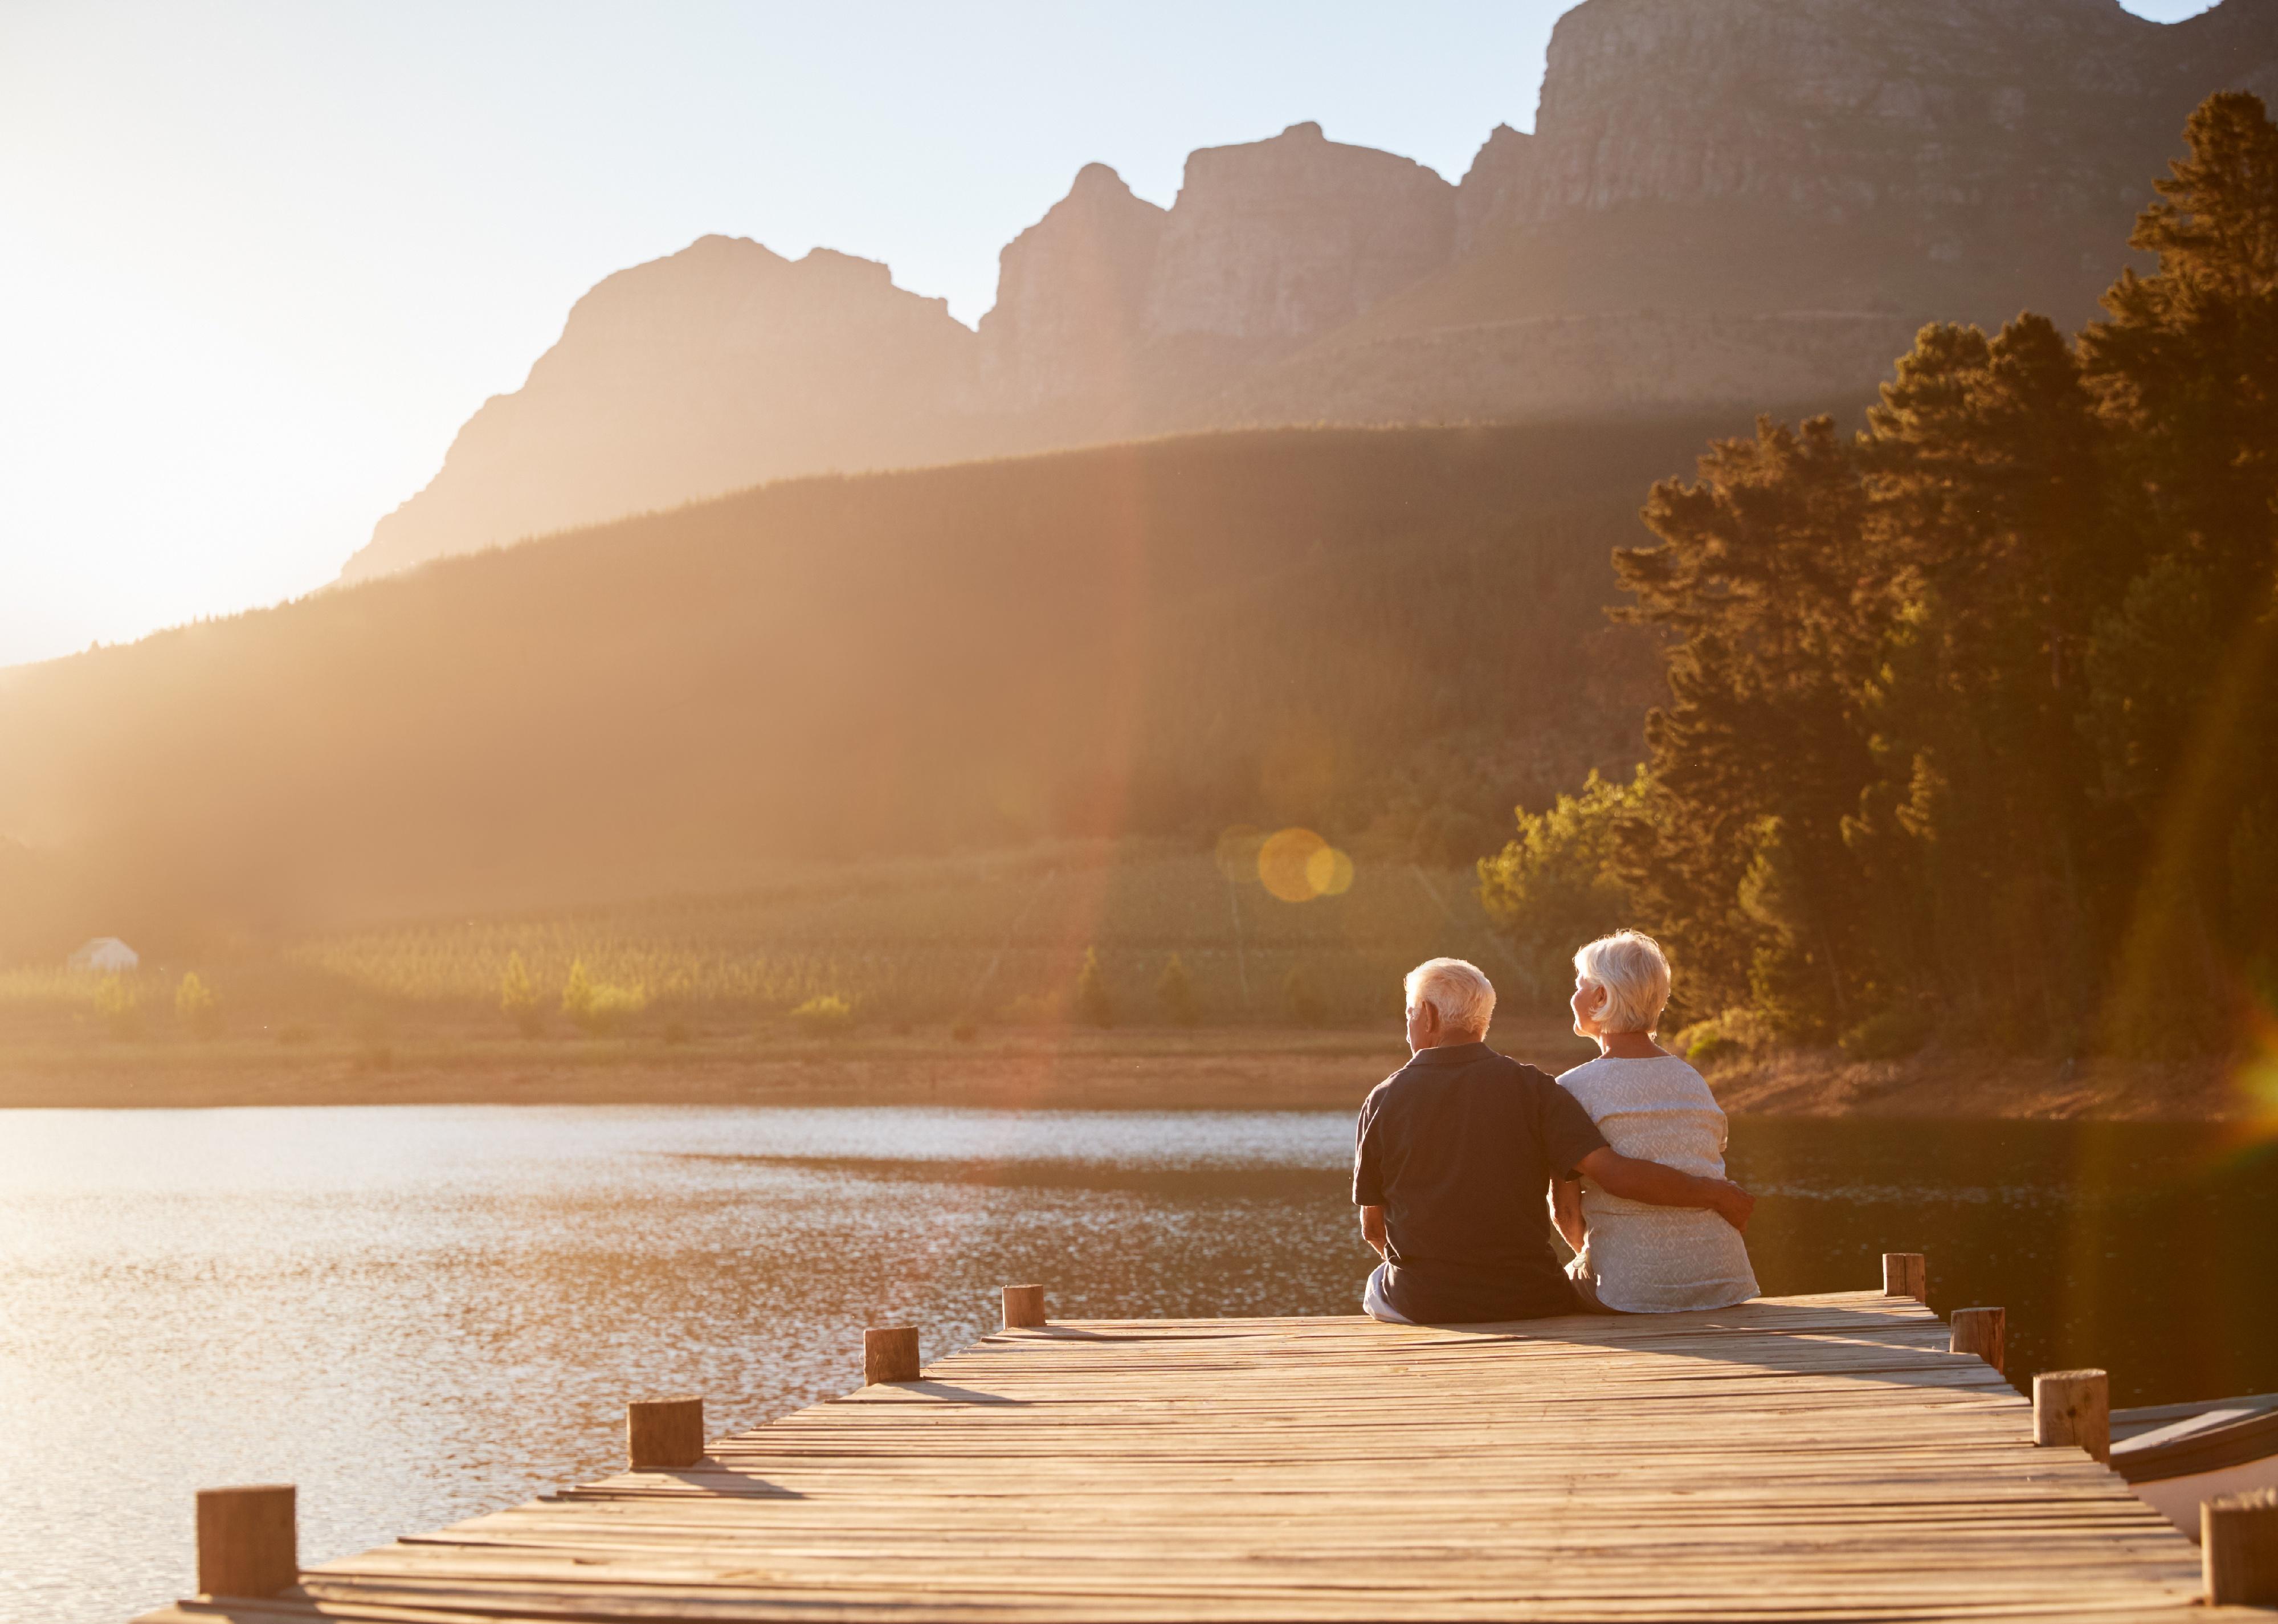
(1657, 1259)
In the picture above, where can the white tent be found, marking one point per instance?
(105, 955)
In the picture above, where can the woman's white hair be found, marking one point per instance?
(1458, 989)
(1629, 965)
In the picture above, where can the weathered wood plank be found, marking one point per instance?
(1802, 1458)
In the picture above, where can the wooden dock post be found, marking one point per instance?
(662, 1434)
(1024, 1306)
(2238, 1549)
(1982, 1331)
(2074, 1406)
(890, 1353)
(918, 1501)
(1906, 1274)
(248, 1539)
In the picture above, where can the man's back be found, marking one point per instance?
(1458, 1146)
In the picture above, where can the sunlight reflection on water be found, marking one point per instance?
(419, 1314)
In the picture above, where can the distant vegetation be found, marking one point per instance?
(1387, 636)
(1974, 726)
(1176, 938)
(1100, 932)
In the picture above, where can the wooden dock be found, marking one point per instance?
(1811, 1458)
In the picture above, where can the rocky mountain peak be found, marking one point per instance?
(1492, 187)
(1282, 239)
(1069, 293)
(708, 370)
(1724, 202)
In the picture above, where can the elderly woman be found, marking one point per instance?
(1650, 1104)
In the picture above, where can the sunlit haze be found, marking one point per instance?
(258, 263)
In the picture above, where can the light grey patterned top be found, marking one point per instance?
(1657, 1259)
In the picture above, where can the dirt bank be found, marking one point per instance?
(1821, 1083)
(1245, 1068)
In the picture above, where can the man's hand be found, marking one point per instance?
(1659, 1186)
(1372, 1229)
(1566, 1212)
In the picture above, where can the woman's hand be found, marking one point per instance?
(1733, 1204)
(1636, 1180)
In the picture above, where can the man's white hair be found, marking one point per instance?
(1631, 968)
(1458, 989)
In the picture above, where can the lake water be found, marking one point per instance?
(417, 1314)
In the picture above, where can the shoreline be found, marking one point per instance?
(1162, 1070)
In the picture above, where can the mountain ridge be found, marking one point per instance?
(1722, 203)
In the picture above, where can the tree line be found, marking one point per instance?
(1972, 725)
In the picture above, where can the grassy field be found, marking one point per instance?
(961, 975)
(978, 943)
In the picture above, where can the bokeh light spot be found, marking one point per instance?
(1297, 865)
(1329, 872)
(1285, 863)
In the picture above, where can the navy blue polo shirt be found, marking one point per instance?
(1459, 1147)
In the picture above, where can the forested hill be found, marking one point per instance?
(1391, 635)
(1973, 731)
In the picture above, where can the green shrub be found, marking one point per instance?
(1893, 1034)
(1726, 1037)
(518, 998)
(195, 1006)
(825, 1017)
(1093, 1005)
(597, 1007)
(120, 1005)
(1558, 883)
(1174, 990)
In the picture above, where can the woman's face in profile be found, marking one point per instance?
(1589, 998)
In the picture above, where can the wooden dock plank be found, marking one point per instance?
(1801, 1458)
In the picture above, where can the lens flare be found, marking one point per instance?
(1282, 862)
(1329, 872)
(1297, 865)
(2256, 1079)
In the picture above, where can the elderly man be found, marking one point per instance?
(1453, 1162)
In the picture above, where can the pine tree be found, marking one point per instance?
(518, 998)
(1092, 1003)
(1175, 992)
(1766, 582)
(2183, 665)
(195, 1006)
(1977, 712)
(120, 1005)
(578, 994)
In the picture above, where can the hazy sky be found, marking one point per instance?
(258, 261)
